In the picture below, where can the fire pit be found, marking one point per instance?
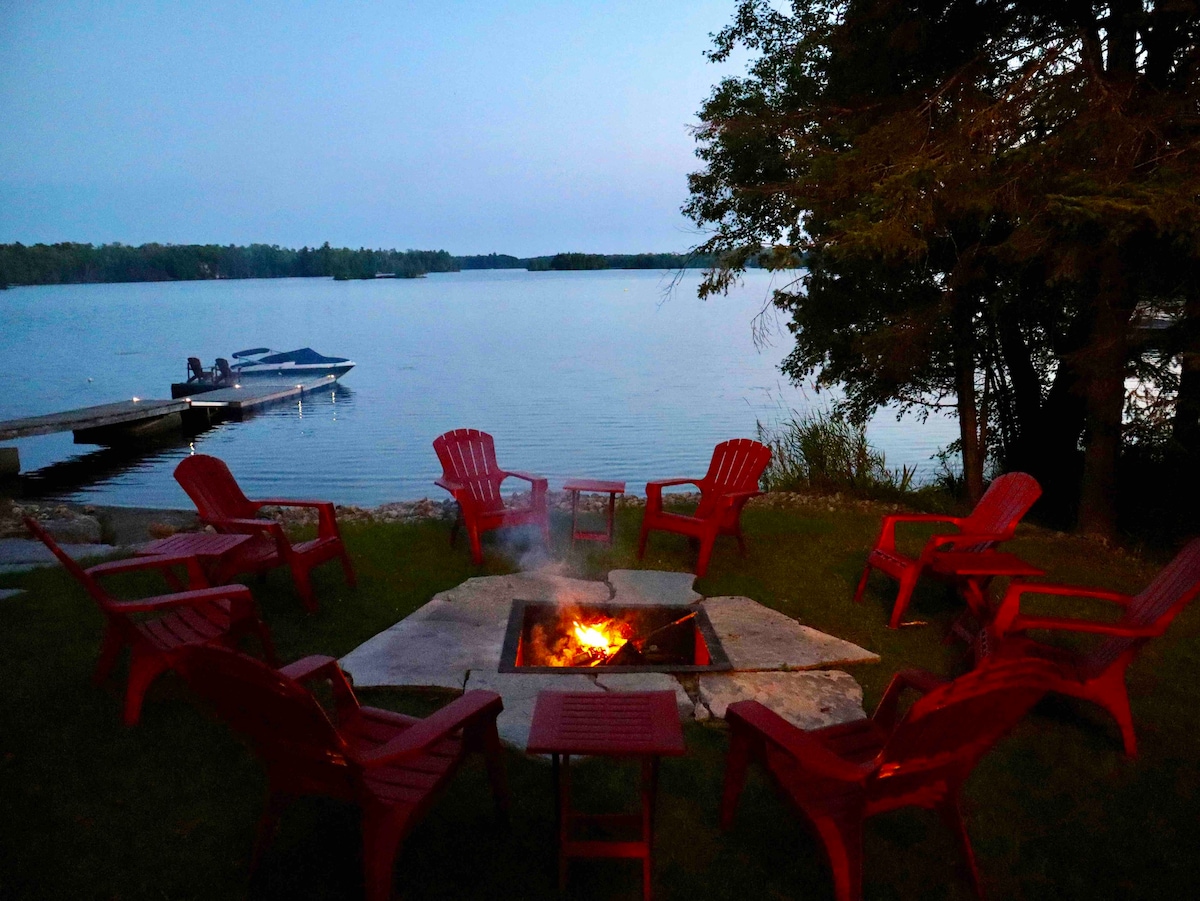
(544, 637)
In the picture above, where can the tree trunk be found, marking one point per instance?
(1102, 364)
(1185, 427)
(964, 387)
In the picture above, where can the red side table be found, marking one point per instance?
(973, 571)
(639, 724)
(594, 486)
(208, 547)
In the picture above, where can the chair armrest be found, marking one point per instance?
(528, 477)
(1070, 624)
(196, 576)
(1009, 612)
(808, 751)
(887, 533)
(320, 666)
(450, 485)
(242, 602)
(921, 681)
(654, 490)
(257, 526)
(327, 526)
(434, 728)
(943, 543)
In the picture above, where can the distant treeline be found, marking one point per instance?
(59, 264)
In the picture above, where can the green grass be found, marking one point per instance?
(167, 809)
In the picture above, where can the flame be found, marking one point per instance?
(601, 640)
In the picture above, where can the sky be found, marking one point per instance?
(507, 126)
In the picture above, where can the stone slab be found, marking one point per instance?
(810, 700)
(6, 593)
(459, 630)
(636, 587)
(20, 554)
(520, 694)
(650, 682)
(759, 638)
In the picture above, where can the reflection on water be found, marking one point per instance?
(575, 374)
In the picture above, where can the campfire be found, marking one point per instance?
(549, 637)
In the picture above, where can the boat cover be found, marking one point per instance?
(304, 356)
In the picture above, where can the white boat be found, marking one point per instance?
(305, 363)
(260, 363)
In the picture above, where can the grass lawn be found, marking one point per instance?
(167, 809)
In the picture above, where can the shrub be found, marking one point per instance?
(822, 452)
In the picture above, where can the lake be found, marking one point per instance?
(600, 374)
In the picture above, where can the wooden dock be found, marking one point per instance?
(140, 418)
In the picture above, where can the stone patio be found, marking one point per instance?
(454, 642)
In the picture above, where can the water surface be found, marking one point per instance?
(596, 374)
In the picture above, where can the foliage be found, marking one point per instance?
(54, 264)
(823, 452)
(994, 198)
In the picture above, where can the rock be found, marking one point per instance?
(649, 682)
(809, 700)
(520, 691)
(161, 530)
(638, 587)
(6, 593)
(73, 528)
(758, 638)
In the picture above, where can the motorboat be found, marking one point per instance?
(260, 363)
(305, 362)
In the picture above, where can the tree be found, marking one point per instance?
(993, 198)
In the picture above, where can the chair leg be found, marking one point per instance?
(908, 581)
(951, 813)
(1112, 695)
(642, 535)
(705, 554)
(143, 670)
(842, 836)
(741, 750)
(737, 533)
(862, 584)
(110, 650)
(302, 576)
(348, 570)
(476, 545)
(382, 833)
(277, 803)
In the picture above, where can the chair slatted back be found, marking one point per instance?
(1176, 585)
(282, 720)
(99, 595)
(1007, 499)
(946, 732)
(736, 466)
(213, 489)
(196, 371)
(468, 456)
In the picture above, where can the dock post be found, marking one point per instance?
(10, 462)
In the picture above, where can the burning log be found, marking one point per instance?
(631, 652)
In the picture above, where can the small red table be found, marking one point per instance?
(639, 724)
(208, 547)
(973, 571)
(596, 486)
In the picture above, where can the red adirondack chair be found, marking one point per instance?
(472, 476)
(1096, 674)
(993, 520)
(159, 630)
(390, 764)
(840, 775)
(221, 504)
(731, 480)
